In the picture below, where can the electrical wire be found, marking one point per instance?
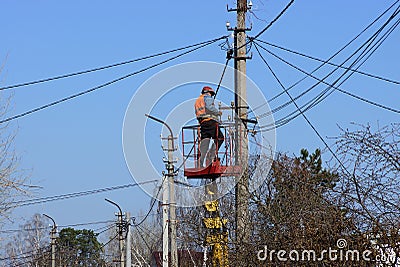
(29, 261)
(310, 104)
(103, 67)
(369, 49)
(319, 98)
(330, 85)
(229, 54)
(84, 224)
(377, 45)
(105, 230)
(359, 191)
(274, 20)
(305, 118)
(266, 27)
(152, 204)
(23, 255)
(109, 241)
(330, 63)
(142, 216)
(71, 225)
(107, 83)
(7, 231)
(58, 226)
(335, 54)
(367, 53)
(144, 240)
(34, 201)
(90, 90)
(34, 253)
(149, 232)
(107, 227)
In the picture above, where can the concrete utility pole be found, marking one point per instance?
(242, 185)
(172, 204)
(165, 222)
(128, 240)
(53, 241)
(120, 225)
(121, 239)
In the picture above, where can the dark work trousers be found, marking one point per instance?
(209, 129)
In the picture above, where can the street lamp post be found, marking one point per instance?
(53, 241)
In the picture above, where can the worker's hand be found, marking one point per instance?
(220, 113)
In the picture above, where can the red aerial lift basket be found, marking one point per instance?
(223, 163)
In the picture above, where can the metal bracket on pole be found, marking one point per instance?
(230, 9)
(248, 7)
(246, 57)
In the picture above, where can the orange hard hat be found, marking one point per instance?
(207, 89)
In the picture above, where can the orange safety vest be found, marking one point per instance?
(200, 109)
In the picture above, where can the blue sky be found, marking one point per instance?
(77, 145)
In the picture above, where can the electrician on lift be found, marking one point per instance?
(207, 115)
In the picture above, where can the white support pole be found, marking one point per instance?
(165, 219)
(172, 204)
(128, 241)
